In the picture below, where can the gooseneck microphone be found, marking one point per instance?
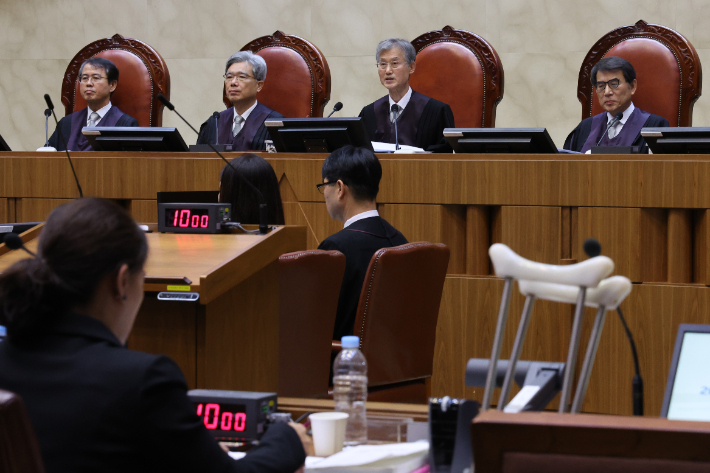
(50, 106)
(263, 215)
(336, 108)
(47, 113)
(14, 242)
(617, 118)
(592, 248)
(395, 110)
(215, 116)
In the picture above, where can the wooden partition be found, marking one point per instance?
(650, 214)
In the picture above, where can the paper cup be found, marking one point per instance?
(328, 432)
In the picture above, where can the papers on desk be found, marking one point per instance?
(389, 458)
(380, 147)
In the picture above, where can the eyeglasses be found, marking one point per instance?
(394, 64)
(321, 187)
(94, 78)
(242, 78)
(601, 85)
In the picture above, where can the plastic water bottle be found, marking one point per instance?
(350, 389)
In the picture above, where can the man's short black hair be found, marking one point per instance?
(358, 168)
(101, 63)
(614, 63)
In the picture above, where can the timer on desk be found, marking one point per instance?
(233, 415)
(193, 218)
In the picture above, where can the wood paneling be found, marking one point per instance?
(513, 226)
(36, 210)
(478, 240)
(7, 211)
(680, 246)
(144, 211)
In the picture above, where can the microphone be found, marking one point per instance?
(47, 113)
(395, 110)
(617, 118)
(50, 106)
(592, 248)
(263, 216)
(336, 108)
(14, 242)
(215, 115)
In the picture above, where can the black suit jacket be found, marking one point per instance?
(358, 243)
(65, 125)
(257, 143)
(97, 406)
(430, 130)
(575, 140)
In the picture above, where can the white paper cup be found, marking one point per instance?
(328, 432)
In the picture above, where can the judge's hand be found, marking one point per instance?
(306, 439)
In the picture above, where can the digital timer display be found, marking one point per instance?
(223, 417)
(187, 218)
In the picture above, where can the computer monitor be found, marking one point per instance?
(680, 140)
(139, 138)
(18, 228)
(688, 387)
(500, 140)
(4, 146)
(317, 135)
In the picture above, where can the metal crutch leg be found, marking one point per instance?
(572, 352)
(515, 354)
(586, 372)
(497, 344)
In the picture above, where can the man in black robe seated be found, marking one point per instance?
(614, 80)
(98, 78)
(241, 125)
(351, 181)
(420, 120)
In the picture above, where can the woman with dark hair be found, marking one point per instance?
(245, 202)
(95, 405)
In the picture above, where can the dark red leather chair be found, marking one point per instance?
(19, 450)
(477, 88)
(297, 75)
(396, 319)
(546, 442)
(309, 286)
(142, 76)
(667, 68)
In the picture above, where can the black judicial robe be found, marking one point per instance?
(97, 406)
(250, 138)
(72, 124)
(358, 242)
(421, 124)
(590, 130)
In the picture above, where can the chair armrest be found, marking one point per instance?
(336, 346)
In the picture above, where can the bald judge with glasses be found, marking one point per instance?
(420, 119)
(241, 125)
(614, 80)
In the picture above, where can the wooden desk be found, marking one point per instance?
(650, 214)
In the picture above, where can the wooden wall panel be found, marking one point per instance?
(37, 210)
(680, 246)
(435, 224)
(701, 246)
(636, 239)
(144, 211)
(319, 222)
(478, 240)
(532, 232)
(7, 211)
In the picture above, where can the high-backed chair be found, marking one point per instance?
(477, 88)
(667, 68)
(19, 450)
(546, 442)
(142, 76)
(309, 286)
(396, 319)
(297, 75)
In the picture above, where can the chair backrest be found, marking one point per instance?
(142, 75)
(546, 442)
(309, 287)
(398, 311)
(19, 450)
(478, 87)
(667, 68)
(297, 75)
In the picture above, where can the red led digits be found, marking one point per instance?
(226, 421)
(204, 221)
(186, 222)
(240, 421)
(175, 224)
(211, 425)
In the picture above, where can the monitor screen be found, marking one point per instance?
(119, 138)
(317, 135)
(677, 140)
(688, 388)
(500, 140)
(3, 145)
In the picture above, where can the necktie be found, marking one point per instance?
(614, 130)
(94, 119)
(399, 113)
(237, 127)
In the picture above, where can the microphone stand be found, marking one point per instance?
(50, 105)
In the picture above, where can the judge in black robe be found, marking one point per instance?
(420, 120)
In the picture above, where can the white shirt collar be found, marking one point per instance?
(245, 115)
(403, 102)
(102, 112)
(360, 216)
(627, 114)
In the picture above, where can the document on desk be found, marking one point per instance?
(389, 458)
(380, 147)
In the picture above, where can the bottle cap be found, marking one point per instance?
(350, 341)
